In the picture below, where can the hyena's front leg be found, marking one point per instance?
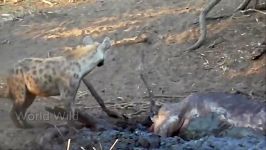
(68, 93)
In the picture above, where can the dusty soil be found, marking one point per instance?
(172, 72)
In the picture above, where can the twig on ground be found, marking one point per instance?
(113, 144)
(203, 27)
(253, 10)
(216, 42)
(60, 133)
(101, 147)
(82, 148)
(68, 144)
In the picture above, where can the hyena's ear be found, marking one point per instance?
(87, 40)
(106, 44)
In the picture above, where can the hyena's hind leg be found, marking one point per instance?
(29, 98)
(22, 99)
(14, 116)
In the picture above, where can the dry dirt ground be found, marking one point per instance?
(172, 72)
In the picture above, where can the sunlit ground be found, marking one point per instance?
(28, 6)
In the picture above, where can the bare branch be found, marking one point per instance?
(243, 5)
(253, 10)
(101, 102)
(203, 27)
(150, 92)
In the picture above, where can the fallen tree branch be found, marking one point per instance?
(152, 110)
(151, 95)
(203, 27)
(101, 102)
(253, 10)
(243, 5)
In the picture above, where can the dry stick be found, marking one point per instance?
(243, 5)
(150, 93)
(253, 10)
(68, 144)
(113, 144)
(60, 133)
(100, 101)
(82, 148)
(101, 147)
(203, 27)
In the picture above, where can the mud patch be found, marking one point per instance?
(141, 139)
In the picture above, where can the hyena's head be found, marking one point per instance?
(105, 45)
(90, 50)
(101, 49)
